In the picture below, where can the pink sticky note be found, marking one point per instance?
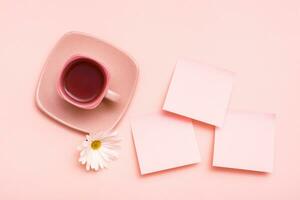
(163, 141)
(246, 141)
(199, 92)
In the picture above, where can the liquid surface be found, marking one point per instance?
(84, 81)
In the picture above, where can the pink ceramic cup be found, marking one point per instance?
(84, 82)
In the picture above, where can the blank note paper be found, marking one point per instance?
(246, 141)
(163, 141)
(199, 92)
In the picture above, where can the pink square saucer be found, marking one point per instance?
(124, 75)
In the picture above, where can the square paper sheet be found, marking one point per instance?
(246, 141)
(199, 92)
(164, 141)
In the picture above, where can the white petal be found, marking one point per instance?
(110, 153)
(113, 133)
(86, 143)
(104, 161)
(89, 157)
(114, 147)
(82, 159)
(111, 143)
(105, 157)
(94, 136)
(97, 166)
(99, 159)
(83, 152)
(87, 167)
(100, 136)
(111, 137)
(93, 164)
(104, 135)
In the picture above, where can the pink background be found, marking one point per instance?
(259, 40)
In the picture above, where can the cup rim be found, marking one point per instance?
(62, 93)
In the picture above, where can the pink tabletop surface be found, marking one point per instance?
(258, 40)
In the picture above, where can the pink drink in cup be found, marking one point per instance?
(84, 83)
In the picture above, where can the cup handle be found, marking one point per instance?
(112, 96)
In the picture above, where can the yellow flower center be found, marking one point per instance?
(96, 144)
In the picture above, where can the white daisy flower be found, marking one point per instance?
(98, 150)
